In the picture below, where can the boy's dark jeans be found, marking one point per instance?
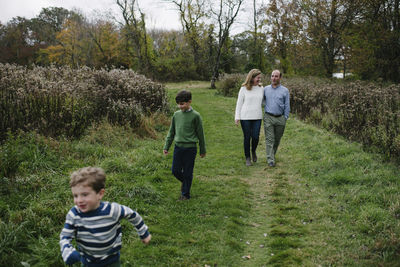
(182, 167)
(251, 130)
(115, 264)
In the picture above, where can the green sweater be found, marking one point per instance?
(186, 130)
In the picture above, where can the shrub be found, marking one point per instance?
(229, 84)
(63, 101)
(361, 111)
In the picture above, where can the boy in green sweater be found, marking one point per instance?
(186, 129)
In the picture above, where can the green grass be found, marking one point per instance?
(327, 203)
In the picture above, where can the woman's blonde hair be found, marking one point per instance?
(250, 78)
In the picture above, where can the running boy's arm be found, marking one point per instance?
(138, 222)
(170, 137)
(68, 252)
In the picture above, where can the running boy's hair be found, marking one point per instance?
(183, 96)
(90, 176)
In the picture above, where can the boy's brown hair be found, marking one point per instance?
(183, 96)
(90, 176)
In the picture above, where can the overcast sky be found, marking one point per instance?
(159, 14)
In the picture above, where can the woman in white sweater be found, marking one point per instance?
(249, 113)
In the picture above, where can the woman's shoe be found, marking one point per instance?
(248, 162)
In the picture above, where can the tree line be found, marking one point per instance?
(301, 37)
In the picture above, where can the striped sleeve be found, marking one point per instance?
(68, 252)
(136, 220)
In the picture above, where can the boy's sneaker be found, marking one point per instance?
(183, 198)
(254, 156)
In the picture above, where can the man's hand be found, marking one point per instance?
(202, 155)
(165, 152)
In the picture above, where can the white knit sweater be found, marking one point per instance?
(248, 105)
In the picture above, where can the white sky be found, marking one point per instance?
(158, 13)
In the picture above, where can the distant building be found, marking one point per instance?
(339, 75)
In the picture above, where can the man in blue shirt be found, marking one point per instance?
(276, 112)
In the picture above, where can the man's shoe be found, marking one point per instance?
(271, 164)
(248, 162)
(253, 154)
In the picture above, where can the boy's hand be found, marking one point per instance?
(237, 122)
(165, 152)
(73, 258)
(202, 155)
(147, 239)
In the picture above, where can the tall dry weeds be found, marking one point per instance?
(58, 101)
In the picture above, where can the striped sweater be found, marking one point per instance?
(98, 234)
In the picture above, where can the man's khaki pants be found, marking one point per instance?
(273, 129)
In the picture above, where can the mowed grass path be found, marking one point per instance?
(327, 202)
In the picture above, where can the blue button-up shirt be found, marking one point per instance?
(277, 100)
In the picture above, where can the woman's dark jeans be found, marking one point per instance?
(251, 130)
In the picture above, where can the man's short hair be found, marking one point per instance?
(183, 96)
(90, 176)
(280, 73)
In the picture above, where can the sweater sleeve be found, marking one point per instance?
(69, 254)
(137, 221)
(200, 135)
(239, 103)
(171, 134)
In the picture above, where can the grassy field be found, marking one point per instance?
(327, 203)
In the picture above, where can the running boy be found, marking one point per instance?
(186, 129)
(94, 223)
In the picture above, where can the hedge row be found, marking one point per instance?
(63, 101)
(229, 84)
(360, 111)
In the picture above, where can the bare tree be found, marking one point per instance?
(257, 51)
(327, 20)
(225, 15)
(285, 26)
(135, 29)
(191, 13)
